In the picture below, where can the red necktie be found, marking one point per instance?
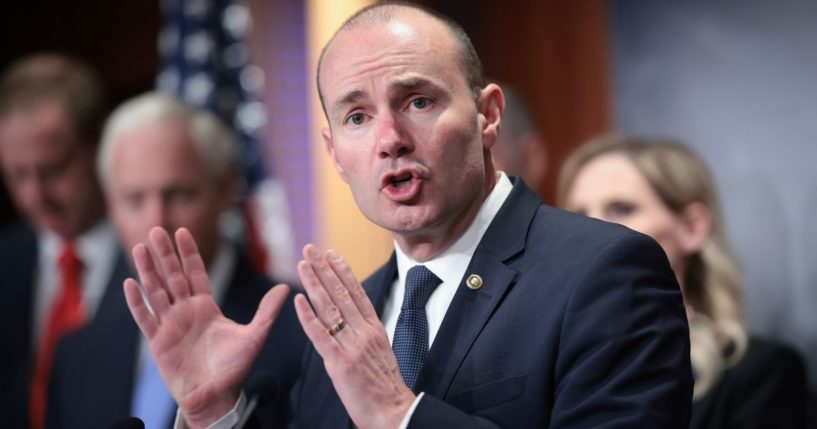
(67, 314)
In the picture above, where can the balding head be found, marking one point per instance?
(386, 12)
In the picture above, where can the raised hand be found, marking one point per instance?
(346, 332)
(203, 357)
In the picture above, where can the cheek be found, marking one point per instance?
(662, 231)
(131, 232)
(200, 216)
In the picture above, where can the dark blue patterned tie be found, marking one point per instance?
(410, 343)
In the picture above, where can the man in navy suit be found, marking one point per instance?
(51, 113)
(494, 310)
(164, 163)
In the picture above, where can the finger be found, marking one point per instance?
(146, 321)
(326, 310)
(192, 263)
(156, 294)
(268, 310)
(354, 288)
(315, 330)
(177, 284)
(334, 287)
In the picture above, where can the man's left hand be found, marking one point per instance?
(346, 332)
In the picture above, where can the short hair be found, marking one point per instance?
(384, 12)
(712, 280)
(47, 77)
(215, 141)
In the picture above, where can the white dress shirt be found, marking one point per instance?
(449, 266)
(96, 249)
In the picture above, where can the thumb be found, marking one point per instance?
(268, 310)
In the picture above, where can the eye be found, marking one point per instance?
(355, 119)
(181, 195)
(420, 103)
(132, 201)
(620, 209)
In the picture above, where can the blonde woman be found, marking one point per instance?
(661, 188)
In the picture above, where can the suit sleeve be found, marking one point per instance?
(623, 352)
(624, 348)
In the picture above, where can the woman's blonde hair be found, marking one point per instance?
(712, 289)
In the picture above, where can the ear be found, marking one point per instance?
(326, 134)
(696, 225)
(490, 105)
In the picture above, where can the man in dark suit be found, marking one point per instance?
(53, 267)
(494, 311)
(163, 163)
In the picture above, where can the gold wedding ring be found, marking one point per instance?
(337, 327)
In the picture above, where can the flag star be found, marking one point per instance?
(251, 117)
(236, 20)
(197, 9)
(168, 80)
(252, 78)
(197, 89)
(198, 47)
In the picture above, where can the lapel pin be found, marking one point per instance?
(474, 282)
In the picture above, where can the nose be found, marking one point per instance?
(392, 140)
(156, 213)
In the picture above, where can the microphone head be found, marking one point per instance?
(263, 386)
(128, 423)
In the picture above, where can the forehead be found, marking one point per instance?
(611, 174)
(410, 44)
(152, 150)
(42, 128)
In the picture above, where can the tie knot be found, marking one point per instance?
(420, 283)
(69, 260)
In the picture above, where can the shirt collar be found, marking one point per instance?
(99, 242)
(220, 270)
(450, 265)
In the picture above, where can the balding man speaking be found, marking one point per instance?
(493, 311)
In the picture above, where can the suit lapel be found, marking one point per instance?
(114, 331)
(379, 284)
(470, 310)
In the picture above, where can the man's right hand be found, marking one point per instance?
(203, 357)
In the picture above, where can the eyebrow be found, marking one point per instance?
(400, 86)
(410, 84)
(349, 98)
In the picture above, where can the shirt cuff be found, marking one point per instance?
(410, 412)
(226, 421)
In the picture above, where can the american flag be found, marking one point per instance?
(206, 62)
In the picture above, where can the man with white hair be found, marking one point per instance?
(163, 163)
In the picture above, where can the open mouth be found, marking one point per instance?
(402, 186)
(401, 180)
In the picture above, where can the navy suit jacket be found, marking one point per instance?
(95, 368)
(18, 264)
(579, 323)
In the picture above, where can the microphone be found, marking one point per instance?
(128, 423)
(261, 389)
